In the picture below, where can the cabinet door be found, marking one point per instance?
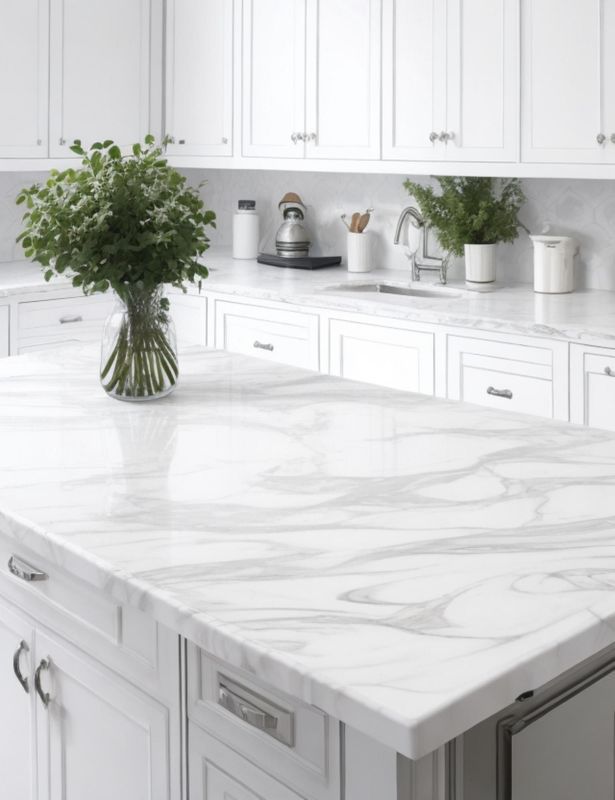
(400, 359)
(343, 79)
(100, 82)
(566, 58)
(199, 77)
(99, 737)
(4, 331)
(274, 78)
(189, 313)
(482, 121)
(414, 79)
(17, 752)
(24, 51)
(592, 386)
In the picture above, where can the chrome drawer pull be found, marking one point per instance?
(261, 346)
(66, 320)
(23, 648)
(256, 711)
(24, 571)
(608, 371)
(45, 698)
(500, 393)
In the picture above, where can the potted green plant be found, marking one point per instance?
(470, 216)
(129, 224)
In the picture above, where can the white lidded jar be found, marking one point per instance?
(245, 230)
(554, 264)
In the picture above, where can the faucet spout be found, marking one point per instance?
(429, 263)
(415, 218)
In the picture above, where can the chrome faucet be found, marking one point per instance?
(429, 263)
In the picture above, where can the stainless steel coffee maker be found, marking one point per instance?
(292, 239)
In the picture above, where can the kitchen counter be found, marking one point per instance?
(584, 316)
(407, 564)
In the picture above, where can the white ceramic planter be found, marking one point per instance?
(359, 252)
(480, 263)
(554, 264)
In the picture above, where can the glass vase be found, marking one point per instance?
(139, 351)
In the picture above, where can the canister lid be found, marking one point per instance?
(246, 205)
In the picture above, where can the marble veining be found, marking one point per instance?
(409, 565)
(586, 316)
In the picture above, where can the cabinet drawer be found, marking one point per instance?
(289, 337)
(394, 357)
(592, 386)
(217, 773)
(508, 375)
(295, 742)
(68, 319)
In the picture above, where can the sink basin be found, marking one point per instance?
(392, 288)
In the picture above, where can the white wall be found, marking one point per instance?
(585, 209)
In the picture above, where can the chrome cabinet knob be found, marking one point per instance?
(309, 137)
(601, 138)
(613, 138)
(181, 141)
(443, 137)
(61, 141)
(294, 137)
(608, 371)
(433, 137)
(224, 140)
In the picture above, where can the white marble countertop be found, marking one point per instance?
(584, 316)
(409, 565)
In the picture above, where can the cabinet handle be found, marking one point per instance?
(224, 140)
(260, 346)
(601, 138)
(613, 138)
(23, 648)
(433, 137)
(61, 141)
(443, 137)
(66, 320)
(608, 371)
(257, 711)
(45, 664)
(26, 572)
(500, 393)
(309, 137)
(294, 137)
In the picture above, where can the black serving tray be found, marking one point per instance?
(305, 262)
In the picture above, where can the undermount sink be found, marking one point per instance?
(392, 288)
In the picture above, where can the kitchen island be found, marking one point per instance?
(403, 565)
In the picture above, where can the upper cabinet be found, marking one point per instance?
(99, 72)
(569, 81)
(199, 77)
(24, 64)
(450, 83)
(307, 90)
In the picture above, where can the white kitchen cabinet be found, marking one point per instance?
(307, 90)
(99, 72)
(24, 69)
(199, 77)
(568, 81)
(509, 373)
(273, 78)
(17, 728)
(189, 313)
(450, 82)
(46, 323)
(5, 316)
(343, 79)
(385, 355)
(98, 737)
(592, 386)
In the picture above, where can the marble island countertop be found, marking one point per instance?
(407, 564)
(585, 315)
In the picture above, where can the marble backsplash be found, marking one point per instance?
(581, 208)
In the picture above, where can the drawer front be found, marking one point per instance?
(393, 357)
(217, 773)
(288, 337)
(592, 386)
(68, 319)
(527, 378)
(121, 636)
(295, 742)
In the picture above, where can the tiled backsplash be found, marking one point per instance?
(583, 209)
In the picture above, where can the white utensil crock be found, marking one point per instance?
(554, 264)
(480, 263)
(359, 259)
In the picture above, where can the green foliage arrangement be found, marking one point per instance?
(470, 210)
(131, 224)
(117, 222)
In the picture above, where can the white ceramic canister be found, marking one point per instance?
(245, 230)
(480, 263)
(359, 252)
(554, 264)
